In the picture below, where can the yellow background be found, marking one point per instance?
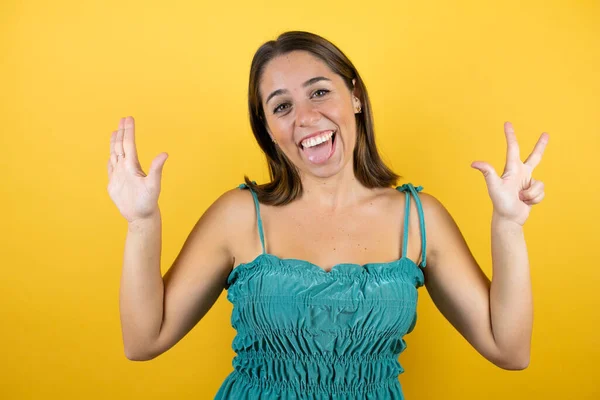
(443, 77)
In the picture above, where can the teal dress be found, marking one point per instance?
(304, 333)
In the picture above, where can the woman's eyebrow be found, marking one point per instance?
(305, 84)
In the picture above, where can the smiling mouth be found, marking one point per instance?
(317, 152)
(317, 141)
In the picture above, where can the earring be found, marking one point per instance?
(358, 108)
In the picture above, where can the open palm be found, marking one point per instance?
(134, 193)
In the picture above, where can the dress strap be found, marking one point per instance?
(256, 206)
(409, 189)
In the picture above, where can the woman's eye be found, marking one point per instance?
(285, 106)
(280, 108)
(324, 91)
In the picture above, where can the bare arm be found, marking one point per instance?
(158, 312)
(497, 317)
(494, 317)
(511, 298)
(142, 289)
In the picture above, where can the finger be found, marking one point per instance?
(489, 173)
(513, 156)
(129, 140)
(536, 155)
(156, 167)
(113, 139)
(532, 191)
(110, 168)
(536, 200)
(119, 139)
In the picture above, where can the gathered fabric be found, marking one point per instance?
(307, 333)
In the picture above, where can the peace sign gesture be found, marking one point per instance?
(515, 191)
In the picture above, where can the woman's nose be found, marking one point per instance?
(307, 114)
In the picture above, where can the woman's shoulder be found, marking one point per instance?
(432, 207)
(398, 194)
(428, 201)
(234, 206)
(440, 226)
(231, 216)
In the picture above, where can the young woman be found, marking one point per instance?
(322, 263)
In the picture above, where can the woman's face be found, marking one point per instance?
(302, 98)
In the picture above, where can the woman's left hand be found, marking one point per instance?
(515, 191)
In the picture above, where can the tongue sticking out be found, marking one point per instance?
(319, 153)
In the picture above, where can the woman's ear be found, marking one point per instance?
(270, 134)
(356, 92)
(356, 98)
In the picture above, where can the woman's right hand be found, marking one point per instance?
(134, 193)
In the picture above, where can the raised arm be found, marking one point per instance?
(495, 317)
(157, 312)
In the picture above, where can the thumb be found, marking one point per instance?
(157, 165)
(486, 169)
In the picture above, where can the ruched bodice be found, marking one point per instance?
(307, 333)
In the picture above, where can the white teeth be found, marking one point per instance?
(315, 140)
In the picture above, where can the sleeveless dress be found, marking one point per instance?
(305, 333)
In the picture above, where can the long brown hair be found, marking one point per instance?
(285, 183)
